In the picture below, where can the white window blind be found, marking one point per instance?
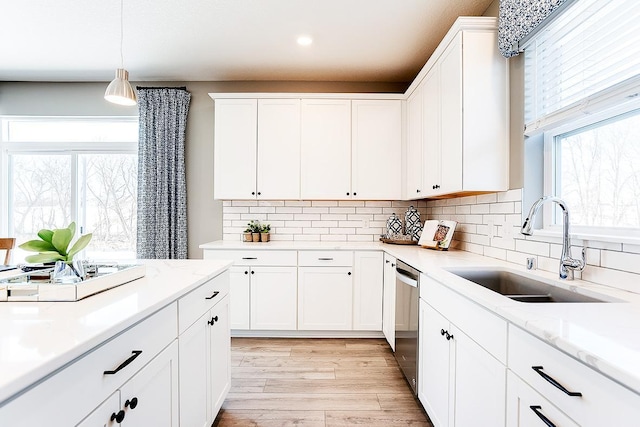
(584, 61)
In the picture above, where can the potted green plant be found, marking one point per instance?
(254, 227)
(264, 232)
(53, 246)
(246, 235)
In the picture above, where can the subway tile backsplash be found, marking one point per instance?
(488, 225)
(320, 220)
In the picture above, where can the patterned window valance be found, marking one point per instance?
(518, 18)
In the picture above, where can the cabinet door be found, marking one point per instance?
(431, 132)
(101, 416)
(367, 291)
(414, 158)
(527, 408)
(434, 367)
(220, 358)
(273, 298)
(325, 296)
(278, 149)
(376, 146)
(239, 297)
(480, 385)
(150, 398)
(234, 165)
(194, 363)
(325, 160)
(389, 301)
(451, 120)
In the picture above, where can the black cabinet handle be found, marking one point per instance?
(354, 193)
(553, 382)
(325, 259)
(131, 403)
(349, 273)
(536, 410)
(393, 265)
(213, 320)
(347, 194)
(442, 332)
(249, 257)
(215, 294)
(418, 190)
(135, 353)
(449, 336)
(252, 272)
(446, 334)
(119, 417)
(386, 261)
(253, 193)
(246, 272)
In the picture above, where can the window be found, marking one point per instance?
(582, 81)
(58, 170)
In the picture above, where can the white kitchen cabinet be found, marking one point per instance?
(235, 139)
(589, 398)
(273, 298)
(367, 290)
(240, 297)
(414, 145)
(376, 154)
(389, 300)
(278, 165)
(204, 346)
(325, 298)
(464, 116)
(325, 159)
(527, 408)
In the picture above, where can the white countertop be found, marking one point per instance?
(605, 336)
(40, 337)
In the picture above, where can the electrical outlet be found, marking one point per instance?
(365, 223)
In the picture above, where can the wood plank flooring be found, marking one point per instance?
(317, 383)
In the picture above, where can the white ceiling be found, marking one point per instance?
(218, 40)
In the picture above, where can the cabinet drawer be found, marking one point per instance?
(70, 394)
(325, 258)
(200, 300)
(255, 257)
(603, 401)
(487, 329)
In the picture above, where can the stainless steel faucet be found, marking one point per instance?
(567, 264)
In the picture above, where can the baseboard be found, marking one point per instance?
(305, 334)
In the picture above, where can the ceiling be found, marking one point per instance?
(224, 40)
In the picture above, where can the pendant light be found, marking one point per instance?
(119, 90)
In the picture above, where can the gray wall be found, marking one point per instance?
(204, 215)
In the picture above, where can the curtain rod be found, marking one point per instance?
(161, 87)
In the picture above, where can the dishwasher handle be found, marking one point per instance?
(406, 279)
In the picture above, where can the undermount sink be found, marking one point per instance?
(522, 288)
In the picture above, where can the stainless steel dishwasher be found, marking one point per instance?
(407, 306)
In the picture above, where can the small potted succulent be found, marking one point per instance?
(264, 232)
(246, 235)
(254, 228)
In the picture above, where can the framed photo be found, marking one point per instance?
(437, 234)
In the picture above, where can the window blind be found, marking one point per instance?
(586, 60)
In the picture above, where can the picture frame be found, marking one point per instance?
(437, 234)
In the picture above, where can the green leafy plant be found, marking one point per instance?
(253, 227)
(54, 245)
(265, 228)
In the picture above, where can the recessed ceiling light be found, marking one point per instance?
(304, 40)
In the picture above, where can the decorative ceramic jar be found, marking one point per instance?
(415, 231)
(394, 225)
(411, 220)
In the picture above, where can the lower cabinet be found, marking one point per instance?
(389, 300)
(325, 298)
(367, 290)
(205, 375)
(273, 298)
(239, 294)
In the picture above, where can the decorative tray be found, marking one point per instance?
(28, 284)
(398, 241)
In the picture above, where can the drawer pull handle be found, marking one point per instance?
(213, 320)
(131, 403)
(249, 257)
(134, 354)
(556, 384)
(215, 294)
(119, 417)
(536, 410)
(325, 259)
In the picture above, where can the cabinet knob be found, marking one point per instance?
(347, 194)
(252, 272)
(259, 193)
(418, 190)
(213, 320)
(246, 272)
(386, 261)
(393, 265)
(119, 417)
(354, 193)
(442, 332)
(253, 193)
(131, 403)
(349, 273)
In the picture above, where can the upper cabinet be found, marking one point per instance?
(325, 159)
(234, 162)
(376, 149)
(459, 106)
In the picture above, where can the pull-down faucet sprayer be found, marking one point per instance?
(567, 264)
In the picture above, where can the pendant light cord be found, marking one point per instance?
(121, 32)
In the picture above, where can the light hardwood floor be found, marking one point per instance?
(319, 383)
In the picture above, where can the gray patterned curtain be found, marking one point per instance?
(518, 19)
(162, 190)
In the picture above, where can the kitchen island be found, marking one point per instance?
(66, 358)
